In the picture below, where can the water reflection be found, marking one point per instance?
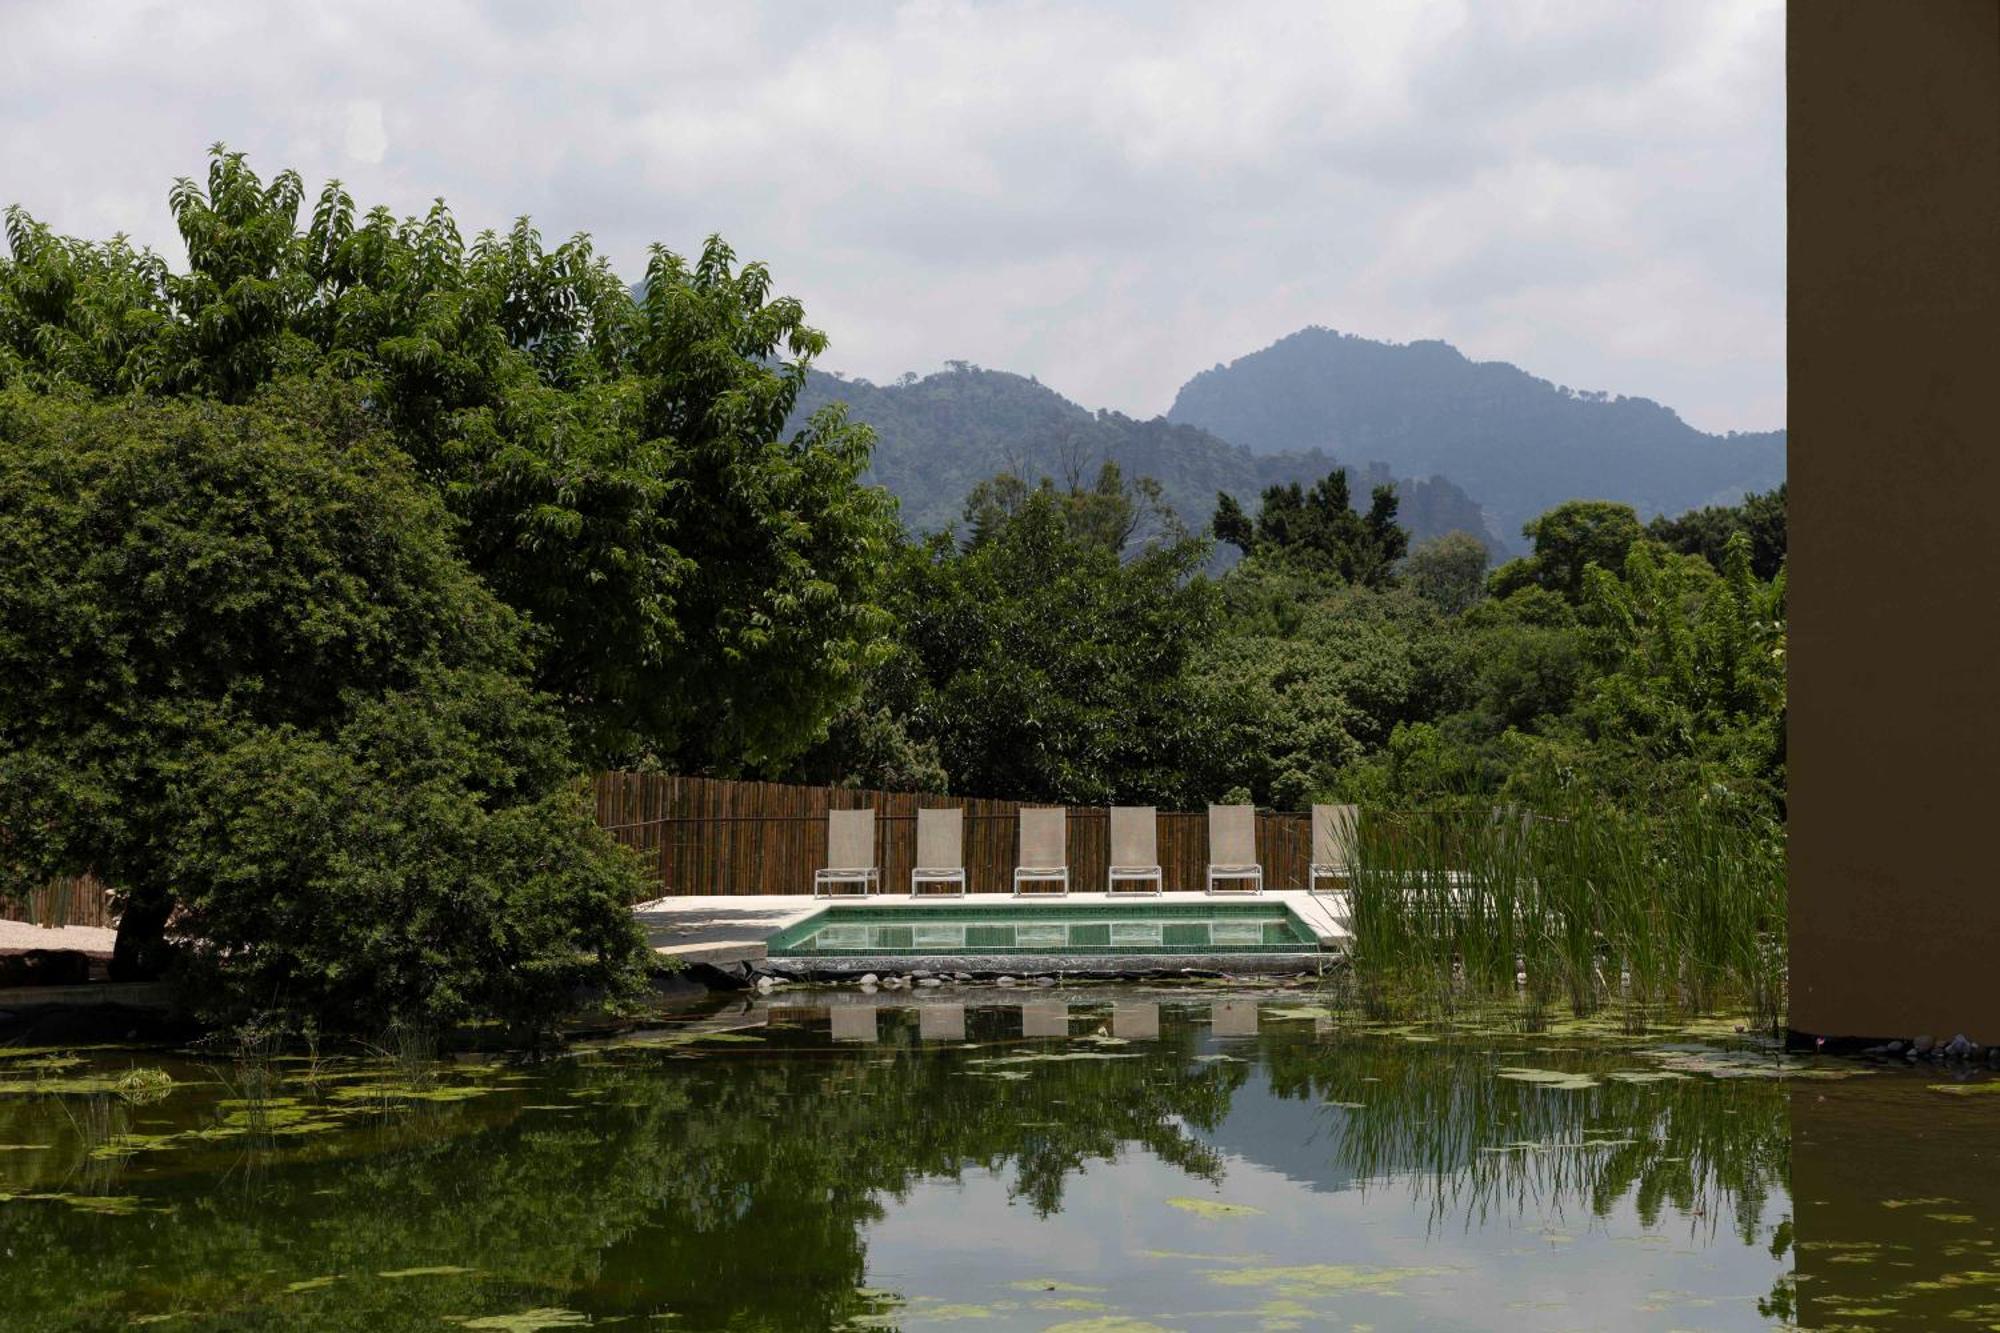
(1135, 1021)
(1254, 1159)
(1897, 1182)
(1233, 1018)
(855, 1022)
(941, 1022)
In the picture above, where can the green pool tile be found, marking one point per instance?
(1082, 929)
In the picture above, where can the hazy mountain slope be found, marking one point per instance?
(939, 436)
(1519, 443)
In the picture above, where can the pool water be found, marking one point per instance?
(1083, 1160)
(1088, 929)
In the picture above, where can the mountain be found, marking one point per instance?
(939, 436)
(1519, 443)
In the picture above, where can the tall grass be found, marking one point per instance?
(1682, 909)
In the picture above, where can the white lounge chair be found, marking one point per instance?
(940, 852)
(1334, 828)
(1044, 850)
(1135, 849)
(1232, 848)
(850, 854)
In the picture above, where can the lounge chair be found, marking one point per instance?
(1334, 828)
(1135, 849)
(940, 851)
(1232, 847)
(1044, 849)
(850, 853)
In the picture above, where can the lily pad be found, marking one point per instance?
(529, 1320)
(1212, 1207)
(114, 1204)
(1054, 1057)
(1558, 1079)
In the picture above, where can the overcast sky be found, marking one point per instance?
(1107, 196)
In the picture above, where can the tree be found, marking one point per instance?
(1706, 532)
(701, 583)
(1449, 571)
(1319, 530)
(245, 679)
(1567, 539)
(1047, 659)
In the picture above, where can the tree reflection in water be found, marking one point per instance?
(732, 1182)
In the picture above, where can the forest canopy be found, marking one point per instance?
(338, 556)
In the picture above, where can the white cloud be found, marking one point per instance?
(367, 140)
(1108, 196)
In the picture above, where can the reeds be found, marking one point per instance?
(1578, 903)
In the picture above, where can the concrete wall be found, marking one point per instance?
(1895, 517)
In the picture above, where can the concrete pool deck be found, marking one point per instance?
(716, 929)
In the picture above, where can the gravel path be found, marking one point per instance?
(20, 936)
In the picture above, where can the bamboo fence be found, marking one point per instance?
(717, 836)
(78, 900)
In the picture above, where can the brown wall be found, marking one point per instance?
(1895, 516)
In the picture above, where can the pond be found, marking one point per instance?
(1095, 1160)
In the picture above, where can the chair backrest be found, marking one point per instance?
(941, 839)
(1232, 835)
(1334, 828)
(1135, 835)
(1044, 838)
(850, 839)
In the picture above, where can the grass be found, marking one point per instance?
(1580, 905)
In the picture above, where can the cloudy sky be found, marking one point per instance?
(1110, 196)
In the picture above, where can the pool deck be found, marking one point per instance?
(731, 929)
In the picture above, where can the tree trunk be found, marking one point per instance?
(140, 953)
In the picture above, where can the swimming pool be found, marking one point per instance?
(1086, 929)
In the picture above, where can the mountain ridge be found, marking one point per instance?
(939, 435)
(1519, 443)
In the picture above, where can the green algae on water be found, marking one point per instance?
(1212, 1207)
(527, 1321)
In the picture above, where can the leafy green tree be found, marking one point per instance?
(1045, 658)
(1690, 666)
(1706, 532)
(206, 611)
(1566, 540)
(700, 581)
(427, 861)
(1318, 529)
(1449, 571)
